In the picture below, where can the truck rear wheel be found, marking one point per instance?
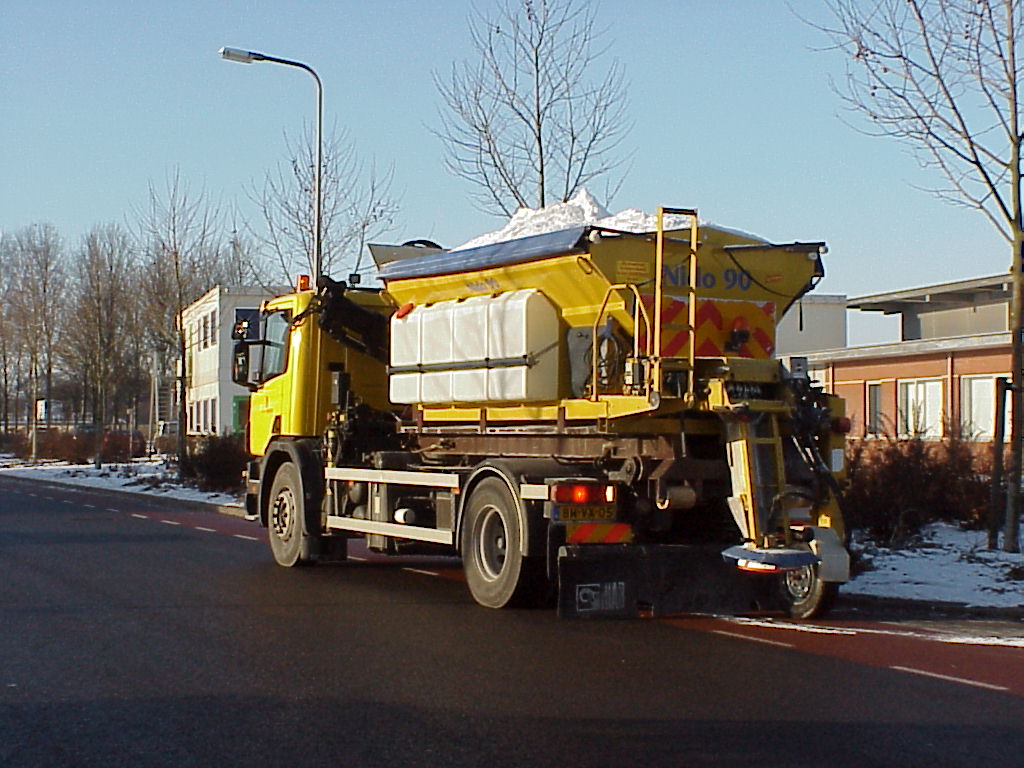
(284, 516)
(496, 571)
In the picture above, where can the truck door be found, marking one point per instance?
(269, 403)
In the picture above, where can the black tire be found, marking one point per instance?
(284, 516)
(805, 594)
(496, 571)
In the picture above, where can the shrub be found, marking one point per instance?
(66, 446)
(78, 447)
(896, 486)
(216, 462)
(14, 442)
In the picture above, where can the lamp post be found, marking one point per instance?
(248, 57)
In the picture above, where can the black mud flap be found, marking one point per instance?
(627, 581)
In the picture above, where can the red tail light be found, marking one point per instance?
(583, 493)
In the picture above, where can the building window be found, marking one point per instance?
(978, 407)
(921, 412)
(875, 423)
(203, 331)
(239, 412)
(213, 415)
(252, 317)
(213, 327)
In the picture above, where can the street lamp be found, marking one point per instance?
(248, 57)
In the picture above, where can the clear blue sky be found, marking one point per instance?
(732, 106)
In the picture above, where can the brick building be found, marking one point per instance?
(940, 377)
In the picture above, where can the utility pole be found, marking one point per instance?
(996, 515)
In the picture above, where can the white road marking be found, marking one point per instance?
(356, 557)
(170, 522)
(89, 506)
(111, 509)
(817, 629)
(207, 530)
(753, 639)
(418, 570)
(141, 517)
(950, 678)
(247, 538)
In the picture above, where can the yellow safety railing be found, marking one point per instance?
(652, 330)
(691, 294)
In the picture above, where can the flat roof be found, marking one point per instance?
(962, 293)
(903, 349)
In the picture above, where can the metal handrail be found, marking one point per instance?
(691, 294)
(639, 306)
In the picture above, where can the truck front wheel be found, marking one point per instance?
(805, 594)
(284, 517)
(496, 571)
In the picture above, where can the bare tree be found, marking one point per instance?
(944, 77)
(38, 263)
(8, 341)
(357, 205)
(104, 302)
(180, 234)
(526, 123)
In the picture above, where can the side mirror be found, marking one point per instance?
(240, 365)
(240, 331)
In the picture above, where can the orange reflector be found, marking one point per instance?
(302, 283)
(755, 565)
(404, 310)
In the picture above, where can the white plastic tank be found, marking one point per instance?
(437, 342)
(405, 352)
(502, 348)
(470, 344)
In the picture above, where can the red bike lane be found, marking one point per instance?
(991, 663)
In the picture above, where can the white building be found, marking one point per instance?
(812, 323)
(214, 403)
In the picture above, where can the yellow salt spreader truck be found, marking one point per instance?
(589, 415)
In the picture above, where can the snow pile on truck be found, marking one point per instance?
(581, 209)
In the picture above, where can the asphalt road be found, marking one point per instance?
(139, 635)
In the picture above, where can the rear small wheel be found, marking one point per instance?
(285, 515)
(805, 594)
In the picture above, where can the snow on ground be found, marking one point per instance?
(948, 565)
(149, 476)
(582, 208)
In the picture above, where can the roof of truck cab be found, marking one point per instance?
(558, 243)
